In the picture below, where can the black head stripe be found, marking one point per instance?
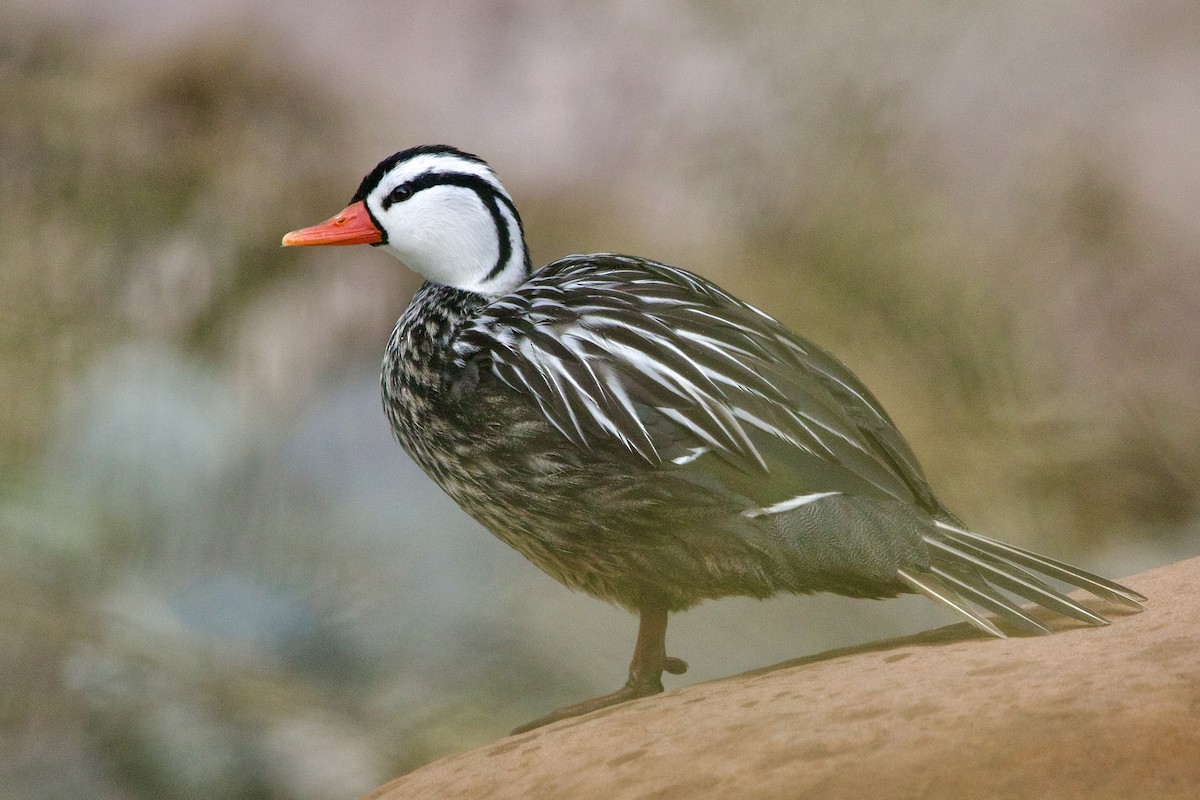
(388, 164)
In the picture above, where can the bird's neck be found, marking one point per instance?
(420, 344)
(418, 373)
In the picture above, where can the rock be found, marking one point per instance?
(1087, 713)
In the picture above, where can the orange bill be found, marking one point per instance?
(353, 225)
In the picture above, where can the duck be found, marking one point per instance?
(643, 436)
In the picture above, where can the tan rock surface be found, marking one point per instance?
(1087, 713)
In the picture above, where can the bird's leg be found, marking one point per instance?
(650, 661)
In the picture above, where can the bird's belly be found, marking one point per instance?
(612, 528)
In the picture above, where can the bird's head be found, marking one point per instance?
(442, 212)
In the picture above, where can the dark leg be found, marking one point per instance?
(650, 660)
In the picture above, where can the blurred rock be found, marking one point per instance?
(1095, 713)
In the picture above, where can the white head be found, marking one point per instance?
(439, 210)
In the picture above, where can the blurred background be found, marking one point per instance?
(220, 577)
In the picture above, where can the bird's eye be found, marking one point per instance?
(399, 194)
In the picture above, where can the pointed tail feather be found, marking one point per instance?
(1016, 580)
(931, 586)
(1100, 587)
(982, 595)
(969, 572)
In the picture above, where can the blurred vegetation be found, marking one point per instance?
(220, 576)
(143, 207)
(136, 196)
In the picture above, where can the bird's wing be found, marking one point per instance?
(614, 349)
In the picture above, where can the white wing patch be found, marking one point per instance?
(787, 505)
(691, 455)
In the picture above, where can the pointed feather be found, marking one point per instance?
(932, 587)
(1033, 590)
(1101, 587)
(983, 596)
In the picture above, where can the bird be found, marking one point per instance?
(643, 436)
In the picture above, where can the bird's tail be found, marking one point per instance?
(970, 573)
